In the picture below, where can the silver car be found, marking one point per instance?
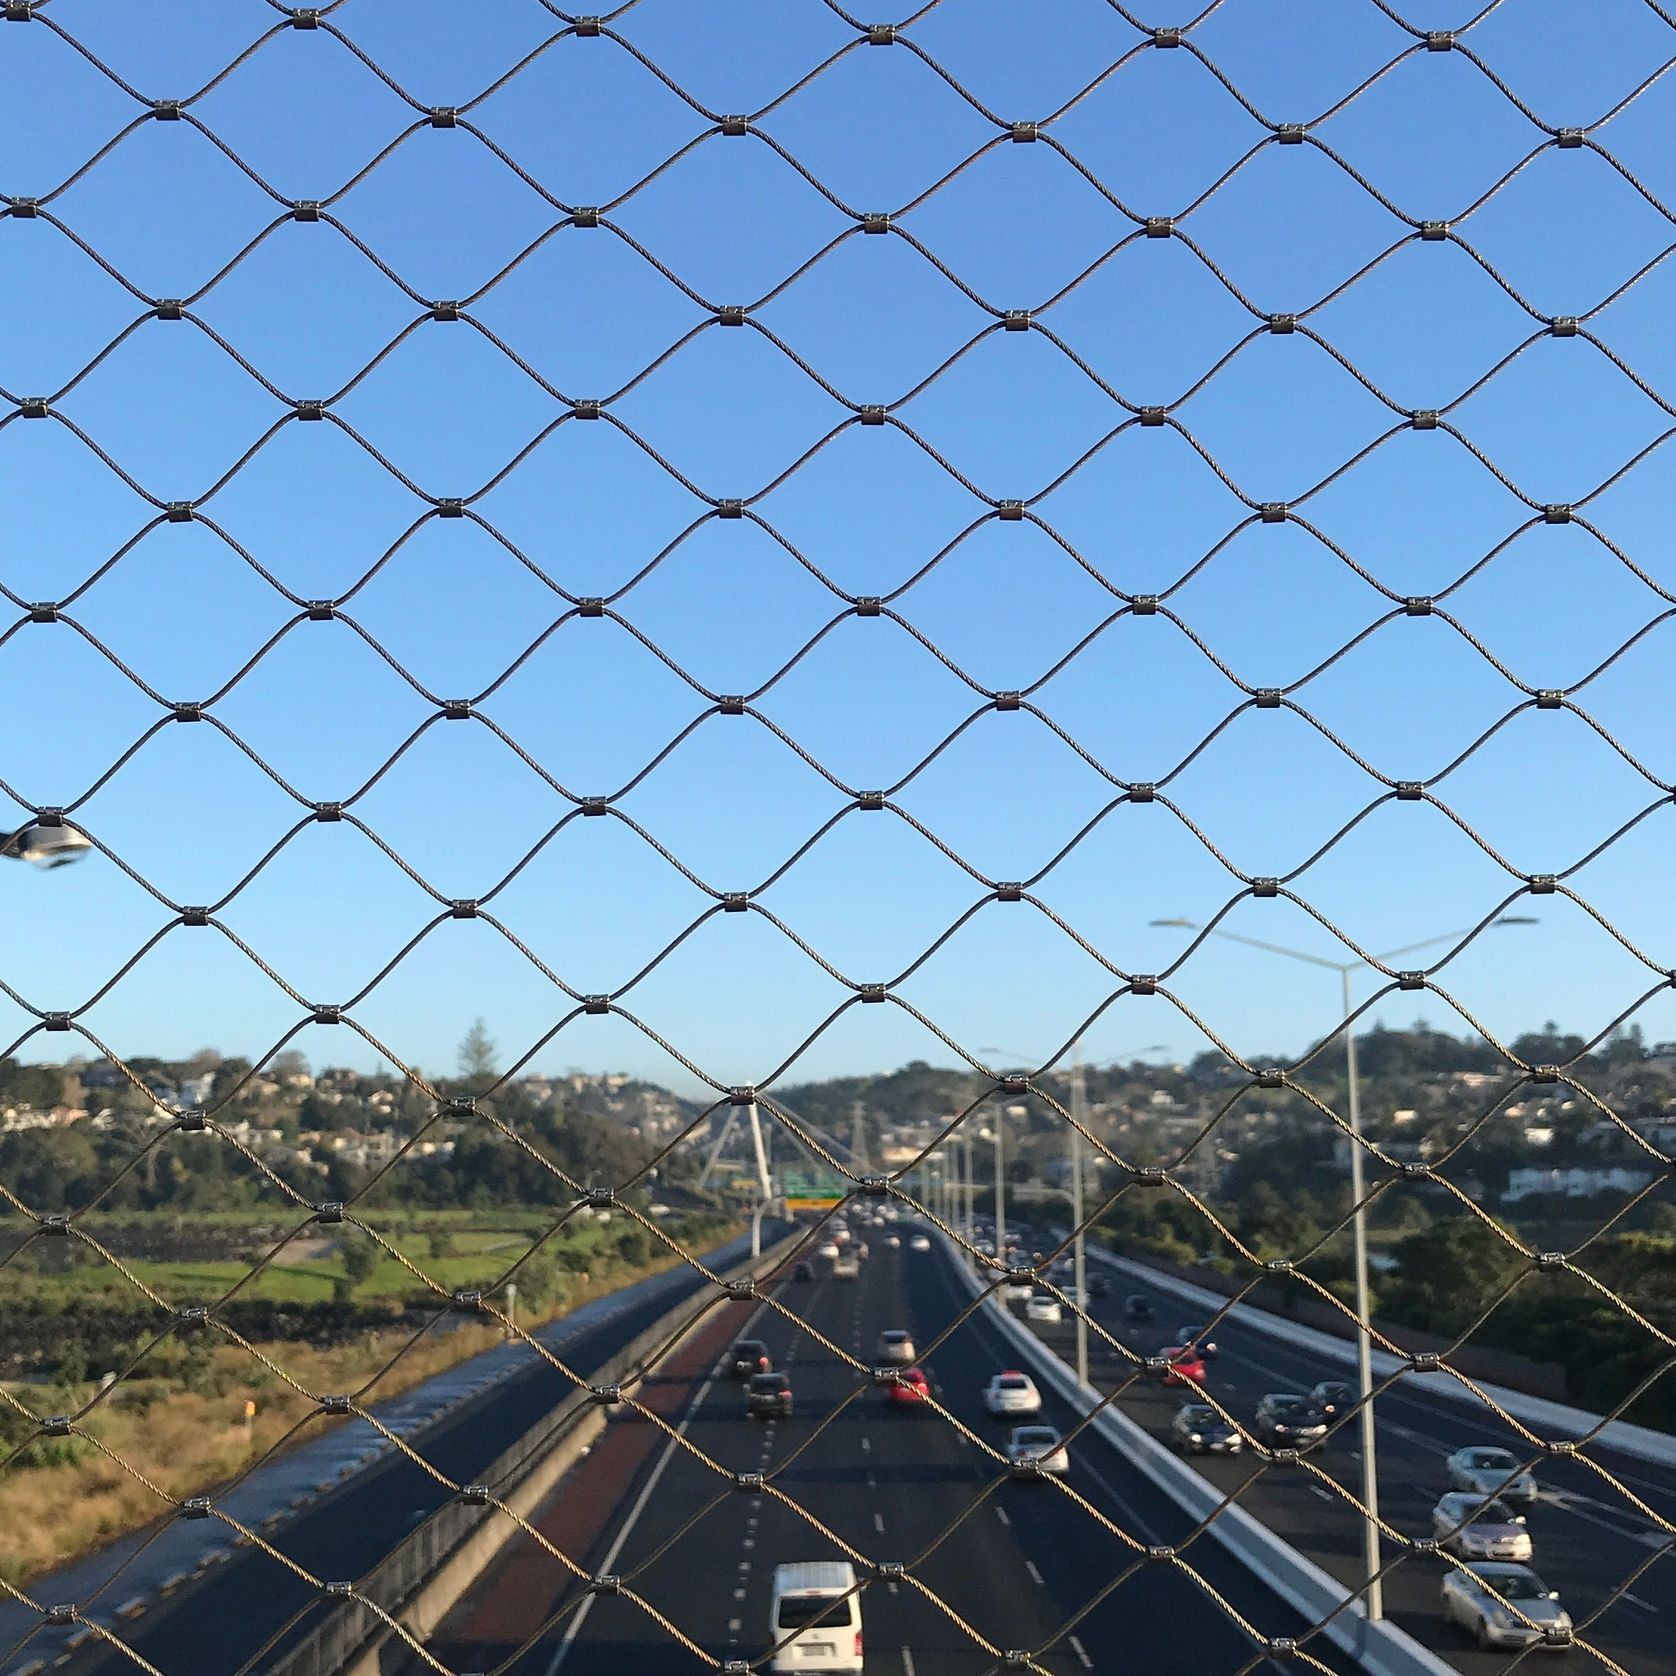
(1492, 1472)
(1480, 1528)
(1035, 1450)
(1286, 1420)
(1470, 1602)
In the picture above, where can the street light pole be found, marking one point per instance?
(1364, 1341)
(1000, 1187)
(1078, 1257)
(1374, 1594)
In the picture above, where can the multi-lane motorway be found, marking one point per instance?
(1603, 1554)
(1012, 1565)
(991, 1564)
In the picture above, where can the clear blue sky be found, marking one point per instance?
(730, 411)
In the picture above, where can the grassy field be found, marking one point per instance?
(309, 1268)
(175, 1427)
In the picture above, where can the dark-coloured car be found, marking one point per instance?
(1198, 1429)
(748, 1356)
(1286, 1420)
(805, 1270)
(1099, 1286)
(1203, 1339)
(768, 1396)
(1334, 1398)
(1137, 1307)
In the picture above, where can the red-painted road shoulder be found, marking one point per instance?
(526, 1585)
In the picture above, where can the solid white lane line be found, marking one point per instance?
(627, 1527)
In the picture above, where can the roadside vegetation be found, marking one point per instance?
(335, 1313)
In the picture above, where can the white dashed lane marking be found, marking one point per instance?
(879, 1523)
(1082, 1653)
(1035, 1575)
(1001, 1514)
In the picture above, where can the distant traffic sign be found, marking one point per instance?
(814, 1189)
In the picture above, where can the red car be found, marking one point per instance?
(911, 1388)
(1187, 1366)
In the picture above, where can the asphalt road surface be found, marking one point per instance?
(227, 1622)
(1603, 1554)
(1019, 1564)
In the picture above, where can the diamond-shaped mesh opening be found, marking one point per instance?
(458, 468)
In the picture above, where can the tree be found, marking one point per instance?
(478, 1055)
(360, 1258)
(290, 1063)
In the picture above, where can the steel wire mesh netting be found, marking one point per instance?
(539, 508)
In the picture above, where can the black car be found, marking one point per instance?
(1334, 1398)
(804, 1271)
(1201, 1338)
(1199, 1430)
(1099, 1286)
(1137, 1307)
(768, 1396)
(748, 1356)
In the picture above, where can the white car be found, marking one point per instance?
(1477, 1528)
(1469, 1603)
(893, 1242)
(1491, 1472)
(1033, 1450)
(829, 1250)
(1040, 1307)
(1012, 1392)
(896, 1348)
(1018, 1291)
(920, 1242)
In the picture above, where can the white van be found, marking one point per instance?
(830, 1637)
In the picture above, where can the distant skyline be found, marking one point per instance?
(438, 608)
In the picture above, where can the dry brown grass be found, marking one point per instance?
(172, 1442)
